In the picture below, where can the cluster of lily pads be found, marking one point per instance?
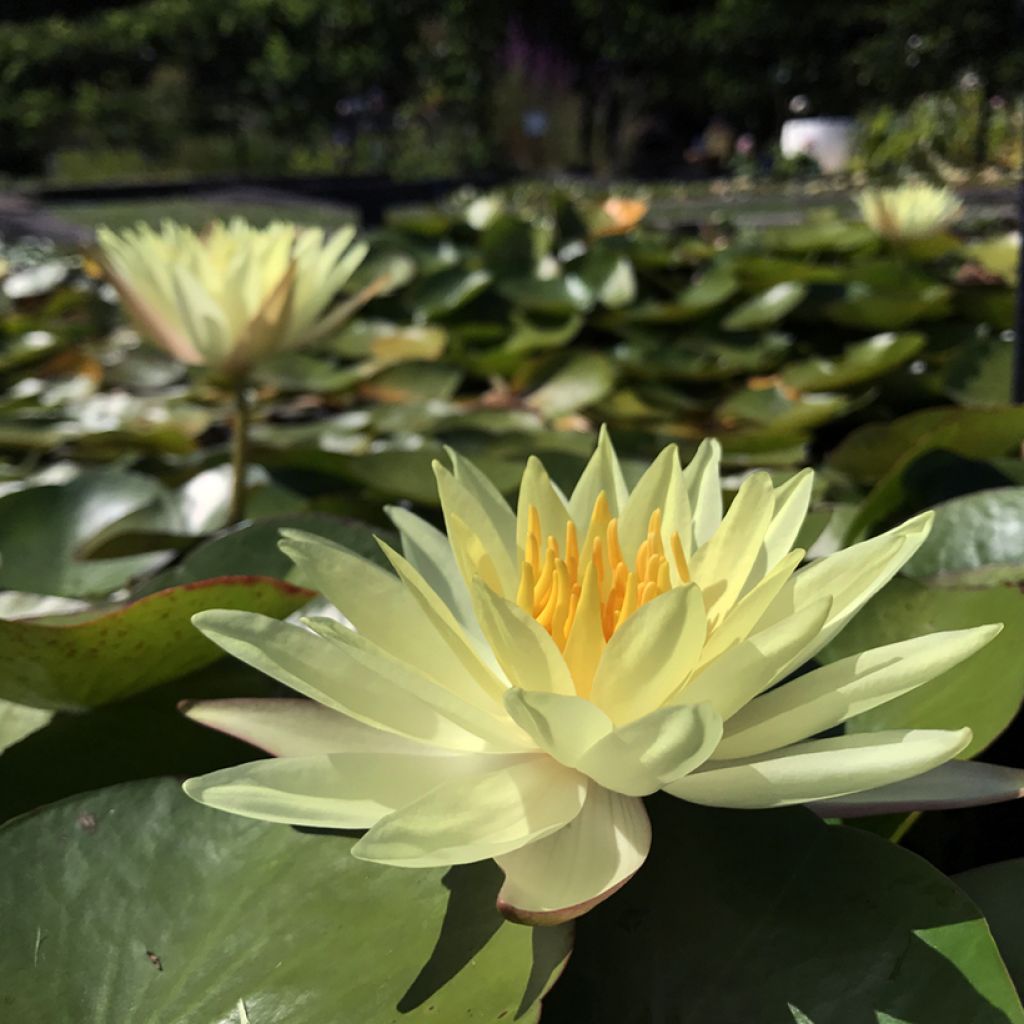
(875, 348)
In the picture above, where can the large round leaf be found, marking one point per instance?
(999, 890)
(869, 452)
(975, 540)
(767, 308)
(134, 904)
(983, 692)
(81, 664)
(859, 363)
(771, 917)
(42, 528)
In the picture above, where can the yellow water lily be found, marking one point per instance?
(517, 685)
(233, 294)
(910, 212)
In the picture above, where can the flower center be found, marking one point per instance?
(559, 582)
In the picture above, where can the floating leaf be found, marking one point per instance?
(871, 451)
(558, 296)
(81, 664)
(767, 309)
(586, 379)
(609, 276)
(878, 308)
(984, 692)
(308, 938)
(975, 540)
(698, 357)
(18, 721)
(42, 528)
(859, 363)
(793, 913)
(999, 890)
(446, 292)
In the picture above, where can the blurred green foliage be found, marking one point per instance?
(417, 88)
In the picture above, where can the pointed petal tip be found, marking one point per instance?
(550, 918)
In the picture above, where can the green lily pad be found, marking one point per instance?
(871, 307)
(999, 890)
(320, 938)
(80, 664)
(507, 246)
(18, 721)
(31, 347)
(609, 275)
(758, 272)
(447, 291)
(584, 380)
(251, 548)
(42, 528)
(980, 371)
(772, 407)
(984, 692)
(701, 358)
(976, 540)
(871, 451)
(993, 306)
(998, 255)
(766, 309)
(798, 920)
(711, 289)
(827, 235)
(859, 363)
(422, 220)
(558, 296)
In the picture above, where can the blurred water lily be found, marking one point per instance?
(516, 687)
(233, 294)
(910, 212)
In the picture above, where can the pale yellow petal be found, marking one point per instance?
(751, 666)
(639, 758)
(529, 657)
(821, 769)
(482, 816)
(704, 488)
(332, 790)
(565, 727)
(650, 655)
(722, 566)
(451, 634)
(602, 474)
(830, 695)
(537, 491)
(560, 877)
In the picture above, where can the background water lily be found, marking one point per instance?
(514, 689)
(909, 212)
(233, 295)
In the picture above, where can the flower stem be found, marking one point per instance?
(239, 452)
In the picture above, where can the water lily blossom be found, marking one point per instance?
(232, 294)
(516, 686)
(909, 212)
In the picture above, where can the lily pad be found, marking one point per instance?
(18, 721)
(84, 663)
(859, 363)
(874, 449)
(999, 890)
(766, 309)
(558, 296)
(984, 692)
(586, 379)
(697, 357)
(975, 540)
(306, 946)
(42, 528)
(794, 915)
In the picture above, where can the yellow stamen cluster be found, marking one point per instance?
(557, 581)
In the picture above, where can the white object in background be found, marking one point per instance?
(826, 140)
